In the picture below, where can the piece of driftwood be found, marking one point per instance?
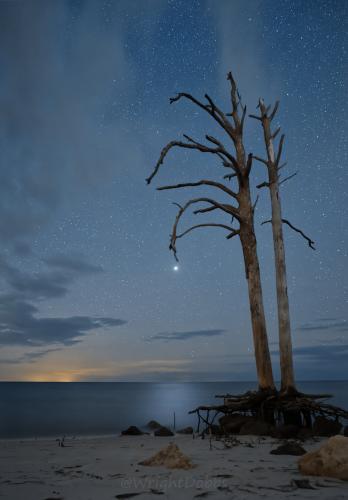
(269, 405)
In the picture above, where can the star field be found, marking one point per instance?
(85, 96)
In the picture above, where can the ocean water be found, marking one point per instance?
(54, 409)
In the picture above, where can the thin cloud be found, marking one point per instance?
(332, 324)
(185, 335)
(327, 353)
(29, 357)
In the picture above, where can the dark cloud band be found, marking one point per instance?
(19, 325)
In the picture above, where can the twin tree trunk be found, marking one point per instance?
(242, 210)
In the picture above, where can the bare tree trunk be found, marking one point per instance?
(285, 345)
(242, 210)
(252, 271)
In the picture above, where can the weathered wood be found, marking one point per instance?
(259, 402)
(241, 209)
(273, 167)
(285, 345)
(252, 271)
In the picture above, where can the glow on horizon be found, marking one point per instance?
(109, 372)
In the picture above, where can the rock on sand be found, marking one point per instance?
(170, 457)
(331, 459)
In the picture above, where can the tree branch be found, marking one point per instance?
(275, 133)
(255, 203)
(311, 243)
(243, 117)
(200, 183)
(287, 178)
(263, 184)
(182, 209)
(204, 210)
(221, 152)
(233, 232)
(221, 148)
(211, 109)
(225, 207)
(255, 117)
(195, 101)
(261, 160)
(230, 176)
(234, 102)
(272, 115)
(212, 139)
(249, 164)
(215, 109)
(280, 148)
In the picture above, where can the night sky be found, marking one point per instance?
(88, 285)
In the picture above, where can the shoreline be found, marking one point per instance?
(106, 467)
(68, 437)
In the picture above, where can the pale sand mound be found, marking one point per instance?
(331, 459)
(171, 457)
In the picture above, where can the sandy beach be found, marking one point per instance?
(107, 467)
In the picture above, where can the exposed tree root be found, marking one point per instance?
(270, 406)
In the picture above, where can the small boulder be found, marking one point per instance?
(153, 424)
(326, 427)
(290, 448)
(163, 431)
(256, 428)
(186, 430)
(303, 484)
(132, 431)
(231, 424)
(331, 459)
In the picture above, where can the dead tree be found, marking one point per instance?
(274, 181)
(241, 209)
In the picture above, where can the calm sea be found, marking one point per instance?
(53, 409)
